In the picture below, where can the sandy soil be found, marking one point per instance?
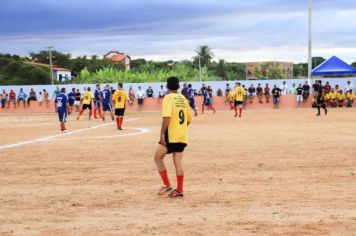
(272, 172)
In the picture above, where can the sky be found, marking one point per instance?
(235, 30)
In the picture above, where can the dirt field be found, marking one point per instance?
(271, 172)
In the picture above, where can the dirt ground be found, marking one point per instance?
(272, 172)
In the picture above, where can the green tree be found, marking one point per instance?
(275, 72)
(58, 58)
(257, 72)
(353, 64)
(205, 54)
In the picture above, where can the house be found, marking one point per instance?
(59, 73)
(119, 57)
(264, 67)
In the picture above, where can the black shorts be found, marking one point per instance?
(140, 101)
(237, 103)
(86, 106)
(173, 147)
(119, 111)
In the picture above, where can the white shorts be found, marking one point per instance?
(299, 98)
(76, 103)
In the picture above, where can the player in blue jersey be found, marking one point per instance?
(62, 107)
(191, 94)
(106, 100)
(97, 102)
(71, 98)
(207, 100)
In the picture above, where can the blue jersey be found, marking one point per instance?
(191, 93)
(61, 101)
(71, 97)
(205, 94)
(97, 95)
(106, 96)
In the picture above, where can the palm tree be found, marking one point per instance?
(205, 54)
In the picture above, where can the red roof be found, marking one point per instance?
(118, 57)
(57, 68)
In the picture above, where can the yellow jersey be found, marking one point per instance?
(350, 96)
(120, 97)
(176, 107)
(239, 94)
(341, 96)
(87, 97)
(230, 96)
(332, 95)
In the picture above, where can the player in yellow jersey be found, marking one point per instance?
(86, 101)
(229, 98)
(350, 97)
(120, 98)
(177, 116)
(239, 96)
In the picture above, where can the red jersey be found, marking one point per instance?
(12, 95)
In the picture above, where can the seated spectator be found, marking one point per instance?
(132, 95)
(293, 89)
(40, 98)
(149, 92)
(276, 92)
(251, 93)
(332, 98)
(299, 92)
(350, 98)
(32, 97)
(140, 97)
(161, 93)
(340, 99)
(21, 97)
(12, 98)
(46, 97)
(327, 88)
(259, 93)
(306, 91)
(267, 93)
(219, 93)
(3, 97)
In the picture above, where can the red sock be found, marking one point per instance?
(62, 127)
(235, 108)
(90, 113)
(118, 121)
(81, 112)
(212, 108)
(164, 176)
(100, 115)
(112, 117)
(121, 120)
(180, 183)
(202, 109)
(240, 110)
(95, 113)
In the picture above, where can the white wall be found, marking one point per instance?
(196, 85)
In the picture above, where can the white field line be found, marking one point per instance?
(58, 135)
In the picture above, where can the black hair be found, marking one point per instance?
(63, 90)
(120, 85)
(189, 85)
(88, 89)
(173, 83)
(238, 83)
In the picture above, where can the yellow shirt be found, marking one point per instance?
(332, 95)
(239, 94)
(176, 107)
(87, 97)
(350, 96)
(341, 96)
(230, 96)
(120, 97)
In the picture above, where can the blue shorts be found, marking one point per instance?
(206, 102)
(140, 101)
(107, 107)
(97, 104)
(192, 103)
(71, 103)
(276, 100)
(62, 116)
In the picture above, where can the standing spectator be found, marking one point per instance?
(46, 97)
(267, 93)
(71, 99)
(40, 98)
(184, 91)
(21, 97)
(348, 87)
(12, 98)
(32, 97)
(161, 93)
(276, 92)
(149, 92)
(284, 88)
(56, 92)
(337, 89)
(132, 95)
(251, 93)
(3, 97)
(140, 97)
(78, 98)
(259, 92)
(293, 89)
(306, 91)
(327, 88)
(350, 98)
(299, 92)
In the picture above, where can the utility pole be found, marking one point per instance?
(50, 63)
(310, 42)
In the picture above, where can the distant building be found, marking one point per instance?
(59, 73)
(119, 57)
(263, 68)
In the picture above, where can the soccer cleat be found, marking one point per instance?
(164, 190)
(326, 112)
(235, 114)
(175, 194)
(318, 114)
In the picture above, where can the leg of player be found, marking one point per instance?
(212, 108)
(177, 159)
(324, 107)
(90, 113)
(161, 152)
(240, 111)
(80, 113)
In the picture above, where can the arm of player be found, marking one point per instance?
(55, 106)
(189, 116)
(164, 127)
(68, 108)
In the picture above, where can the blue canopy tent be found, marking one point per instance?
(334, 66)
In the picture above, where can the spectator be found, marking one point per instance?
(46, 97)
(276, 92)
(349, 87)
(78, 98)
(40, 98)
(267, 93)
(284, 88)
(184, 91)
(161, 93)
(293, 89)
(337, 89)
(3, 97)
(350, 98)
(251, 93)
(32, 97)
(21, 97)
(131, 95)
(149, 92)
(299, 92)
(327, 88)
(259, 92)
(340, 98)
(245, 97)
(332, 98)
(306, 91)
(12, 98)
(140, 97)
(56, 92)
(219, 93)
